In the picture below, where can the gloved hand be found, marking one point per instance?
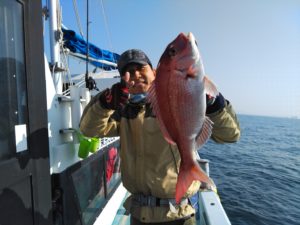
(214, 104)
(115, 97)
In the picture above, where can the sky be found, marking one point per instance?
(250, 48)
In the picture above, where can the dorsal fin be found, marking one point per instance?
(152, 98)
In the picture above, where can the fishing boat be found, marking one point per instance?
(50, 173)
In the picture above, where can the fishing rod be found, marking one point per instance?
(90, 83)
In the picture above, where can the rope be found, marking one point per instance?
(77, 18)
(66, 64)
(106, 27)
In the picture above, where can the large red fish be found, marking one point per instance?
(178, 98)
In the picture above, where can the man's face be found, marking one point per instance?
(138, 77)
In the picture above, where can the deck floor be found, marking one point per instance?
(121, 218)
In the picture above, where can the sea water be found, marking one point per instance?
(258, 178)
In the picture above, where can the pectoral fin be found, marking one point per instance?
(210, 87)
(205, 133)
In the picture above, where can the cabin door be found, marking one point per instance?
(25, 185)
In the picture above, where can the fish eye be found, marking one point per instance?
(172, 51)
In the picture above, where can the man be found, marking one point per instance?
(149, 165)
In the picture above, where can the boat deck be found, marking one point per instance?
(211, 210)
(121, 217)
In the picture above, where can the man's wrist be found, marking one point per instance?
(103, 99)
(218, 104)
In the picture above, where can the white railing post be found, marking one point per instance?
(76, 108)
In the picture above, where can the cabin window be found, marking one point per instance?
(13, 101)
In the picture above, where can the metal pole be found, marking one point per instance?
(87, 44)
(54, 45)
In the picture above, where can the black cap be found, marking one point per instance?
(132, 56)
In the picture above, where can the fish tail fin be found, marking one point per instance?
(186, 177)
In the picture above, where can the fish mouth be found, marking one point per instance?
(190, 36)
(194, 45)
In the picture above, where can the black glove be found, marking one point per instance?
(214, 104)
(115, 97)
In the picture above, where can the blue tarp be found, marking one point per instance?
(76, 44)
